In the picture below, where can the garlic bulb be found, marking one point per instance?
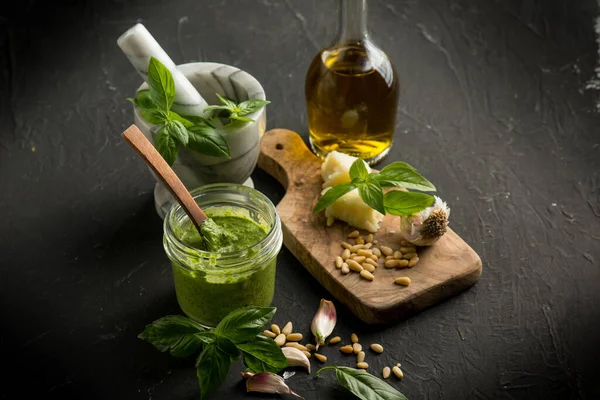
(428, 226)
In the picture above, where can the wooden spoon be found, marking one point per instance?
(138, 141)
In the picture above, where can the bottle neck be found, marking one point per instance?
(353, 20)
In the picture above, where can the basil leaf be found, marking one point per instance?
(207, 140)
(364, 385)
(398, 202)
(250, 106)
(262, 355)
(178, 131)
(161, 83)
(179, 335)
(195, 120)
(214, 108)
(241, 119)
(213, 365)
(155, 116)
(371, 193)
(401, 174)
(332, 195)
(245, 323)
(143, 99)
(358, 169)
(166, 145)
(227, 101)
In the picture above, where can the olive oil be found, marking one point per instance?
(352, 92)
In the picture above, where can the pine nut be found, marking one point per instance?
(403, 263)
(288, 328)
(353, 265)
(398, 372)
(377, 348)
(321, 357)
(294, 337)
(280, 340)
(354, 338)
(398, 365)
(270, 334)
(354, 234)
(405, 250)
(296, 345)
(362, 365)
(403, 280)
(311, 347)
(363, 252)
(367, 275)
(330, 221)
(371, 261)
(356, 348)
(408, 256)
(347, 349)
(358, 259)
(335, 340)
(356, 247)
(386, 372)
(345, 268)
(345, 254)
(346, 245)
(360, 240)
(386, 250)
(368, 267)
(368, 245)
(369, 238)
(275, 329)
(307, 354)
(374, 257)
(397, 255)
(375, 241)
(360, 357)
(406, 243)
(376, 251)
(338, 262)
(391, 263)
(413, 261)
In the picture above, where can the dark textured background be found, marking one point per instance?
(492, 110)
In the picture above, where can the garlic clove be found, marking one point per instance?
(324, 322)
(296, 358)
(428, 226)
(267, 382)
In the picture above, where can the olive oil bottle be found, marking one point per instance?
(352, 92)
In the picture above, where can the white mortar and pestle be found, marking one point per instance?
(196, 85)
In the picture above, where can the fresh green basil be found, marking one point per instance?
(398, 202)
(178, 335)
(236, 112)
(162, 85)
(213, 365)
(364, 385)
(262, 355)
(332, 195)
(178, 131)
(245, 323)
(250, 106)
(370, 192)
(400, 174)
(208, 141)
(358, 169)
(166, 145)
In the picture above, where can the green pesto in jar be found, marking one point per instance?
(206, 291)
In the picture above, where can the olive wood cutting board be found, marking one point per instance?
(444, 270)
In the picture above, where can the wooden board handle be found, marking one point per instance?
(146, 150)
(284, 155)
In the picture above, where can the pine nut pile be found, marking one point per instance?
(362, 255)
(285, 337)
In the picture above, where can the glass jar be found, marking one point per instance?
(352, 92)
(210, 285)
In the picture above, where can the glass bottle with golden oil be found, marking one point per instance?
(352, 92)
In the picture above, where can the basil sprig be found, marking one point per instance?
(370, 189)
(364, 385)
(236, 112)
(175, 130)
(237, 335)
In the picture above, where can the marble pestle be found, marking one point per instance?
(139, 45)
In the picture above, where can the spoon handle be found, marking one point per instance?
(146, 150)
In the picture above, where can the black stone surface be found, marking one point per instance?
(493, 110)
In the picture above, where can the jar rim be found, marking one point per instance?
(185, 249)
